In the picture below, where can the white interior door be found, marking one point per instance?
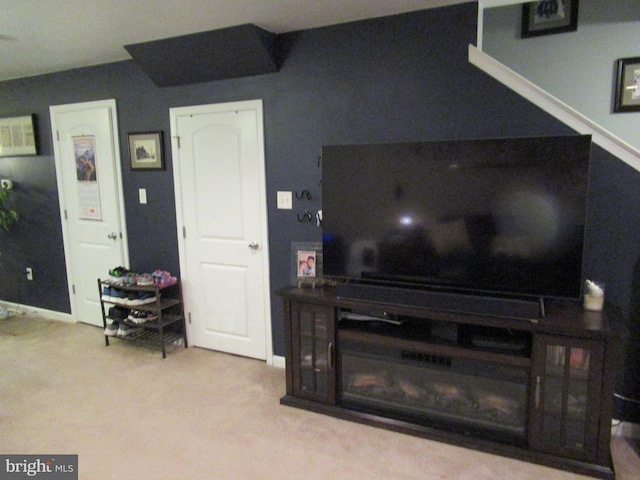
(219, 175)
(87, 160)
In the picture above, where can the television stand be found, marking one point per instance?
(537, 391)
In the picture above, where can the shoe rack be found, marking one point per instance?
(166, 327)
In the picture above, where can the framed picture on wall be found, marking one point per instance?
(627, 95)
(145, 151)
(17, 136)
(546, 17)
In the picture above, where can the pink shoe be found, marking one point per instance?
(163, 279)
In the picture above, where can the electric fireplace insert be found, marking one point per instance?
(436, 385)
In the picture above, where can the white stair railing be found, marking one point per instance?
(555, 107)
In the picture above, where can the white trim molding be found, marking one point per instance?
(17, 309)
(555, 107)
(278, 361)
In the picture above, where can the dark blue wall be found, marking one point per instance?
(400, 78)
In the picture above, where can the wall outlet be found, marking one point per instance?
(285, 201)
(29, 272)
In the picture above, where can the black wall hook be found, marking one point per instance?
(307, 217)
(304, 194)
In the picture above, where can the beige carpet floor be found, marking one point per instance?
(199, 414)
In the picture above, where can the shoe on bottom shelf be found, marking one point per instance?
(125, 330)
(112, 329)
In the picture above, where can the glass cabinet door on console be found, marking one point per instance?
(565, 396)
(313, 350)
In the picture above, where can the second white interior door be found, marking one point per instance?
(218, 157)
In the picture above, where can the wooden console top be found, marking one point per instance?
(563, 317)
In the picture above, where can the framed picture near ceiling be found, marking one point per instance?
(17, 136)
(145, 151)
(547, 17)
(627, 95)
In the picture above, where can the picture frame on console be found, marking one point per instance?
(627, 93)
(548, 17)
(306, 264)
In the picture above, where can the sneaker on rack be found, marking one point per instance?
(145, 279)
(163, 279)
(149, 317)
(118, 296)
(106, 294)
(140, 317)
(158, 276)
(142, 298)
(118, 314)
(135, 316)
(169, 281)
(129, 279)
(112, 329)
(131, 296)
(125, 330)
(118, 274)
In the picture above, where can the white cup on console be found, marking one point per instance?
(593, 296)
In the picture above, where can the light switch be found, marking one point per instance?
(285, 201)
(142, 193)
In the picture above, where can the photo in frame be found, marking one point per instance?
(306, 264)
(145, 151)
(627, 94)
(17, 136)
(547, 17)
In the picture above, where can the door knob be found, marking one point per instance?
(112, 235)
(253, 246)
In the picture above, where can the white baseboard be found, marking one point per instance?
(278, 361)
(15, 309)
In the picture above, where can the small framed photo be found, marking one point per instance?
(145, 151)
(627, 97)
(306, 264)
(546, 17)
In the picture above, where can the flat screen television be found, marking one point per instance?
(500, 217)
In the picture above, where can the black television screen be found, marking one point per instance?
(500, 216)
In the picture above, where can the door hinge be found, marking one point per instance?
(177, 137)
(57, 135)
(66, 217)
(184, 232)
(73, 289)
(189, 318)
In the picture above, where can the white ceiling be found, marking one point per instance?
(45, 36)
